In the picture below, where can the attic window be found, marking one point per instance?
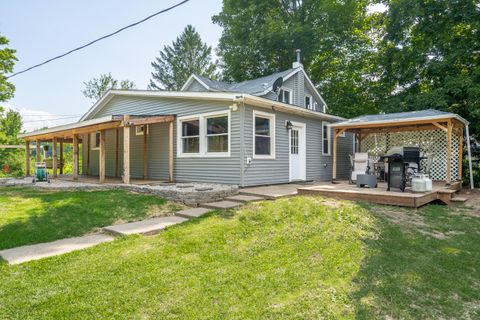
(309, 104)
(285, 96)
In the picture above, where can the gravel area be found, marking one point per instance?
(191, 193)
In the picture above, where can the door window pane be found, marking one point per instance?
(294, 142)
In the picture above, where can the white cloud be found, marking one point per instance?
(37, 119)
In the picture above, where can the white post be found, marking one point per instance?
(469, 157)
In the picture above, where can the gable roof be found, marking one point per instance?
(257, 87)
(428, 114)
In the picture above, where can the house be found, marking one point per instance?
(247, 133)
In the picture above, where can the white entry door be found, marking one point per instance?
(297, 152)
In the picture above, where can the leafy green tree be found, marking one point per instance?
(7, 61)
(260, 37)
(187, 55)
(10, 125)
(430, 57)
(95, 88)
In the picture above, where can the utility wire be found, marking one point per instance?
(99, 39)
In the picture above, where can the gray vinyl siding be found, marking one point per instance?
(207, 169)
(271, 171)
(196, 87)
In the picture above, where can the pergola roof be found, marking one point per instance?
(399, 118)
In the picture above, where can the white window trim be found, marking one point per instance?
(93, 140)
(302, 145)
(140, 133)
(202, 122)
(270, 116)
(329, 138)
(283, 93)
(312, 103)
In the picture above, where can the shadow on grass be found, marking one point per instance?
(425, 267)
(67, 214)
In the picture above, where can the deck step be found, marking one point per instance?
(145, 227)
(192, 213)
(244, 198)
(459, 199)
(221, 205)
(447, 191)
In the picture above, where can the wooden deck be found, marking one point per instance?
(346, 191)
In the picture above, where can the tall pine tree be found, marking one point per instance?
(187, 55)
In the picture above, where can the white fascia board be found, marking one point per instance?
(315, 91)
(267, 103)
(433, 118)
(68, 126)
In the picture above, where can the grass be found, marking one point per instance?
(300, 258)
(29, 216)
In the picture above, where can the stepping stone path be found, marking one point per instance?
(43, 250)
(145, 227)
(244, 198)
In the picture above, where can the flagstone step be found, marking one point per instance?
(49, 249)
(221, 205)
(244, 198)
(192, 213)
(459, 199)
(145, 227)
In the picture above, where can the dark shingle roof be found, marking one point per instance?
(397, 116)
(254, 86)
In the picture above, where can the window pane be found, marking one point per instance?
(280, 95)
(217, 143)
(325, 147)
(190, 128)
(190, 145)
(262, 145)
(262, 126)
(307, 102)
(97, 140)
(286, 96)
(217, 125)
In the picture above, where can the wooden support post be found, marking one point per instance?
(449, 151)
(54, 157)
(145, 153)
(27, 158)
(117, 133)
(89, 141)
(170, 151)
(37, 150)
(101, 157)
(334, 174)
(62, 161)
(126, 151)
(75, 157)
(460, 154)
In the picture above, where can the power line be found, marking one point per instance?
(99, 39)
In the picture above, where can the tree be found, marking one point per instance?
(10, 125)
(7, 61)
(95, 88)
(260, 37)
(430, 57)
(187, 55)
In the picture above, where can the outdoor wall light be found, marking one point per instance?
(289, 125)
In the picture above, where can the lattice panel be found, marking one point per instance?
(431, 141)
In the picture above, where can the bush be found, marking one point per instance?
(475, 170)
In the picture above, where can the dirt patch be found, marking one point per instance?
(403, 217)
(473, 202)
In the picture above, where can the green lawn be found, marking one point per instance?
(300, 258)
(30, 215)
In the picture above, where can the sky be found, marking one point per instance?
(39, 30)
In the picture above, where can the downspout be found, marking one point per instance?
(241, 100)
(469, 157)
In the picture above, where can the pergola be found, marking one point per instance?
(72, 133)
(439, 126)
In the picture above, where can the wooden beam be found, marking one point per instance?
(170, 151)
(438, 125)
(54, 157)
(460, 155)
(101, 157)
(89, 147)
(126, 153)
(340, 132)
(334, 174)
(117, 133)
(393, 123)
(75, 157)
(149, 120)
(145, 152)
(37, 150)
(449, 152)
(78, 131)
(27, 158)
(62, 161)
